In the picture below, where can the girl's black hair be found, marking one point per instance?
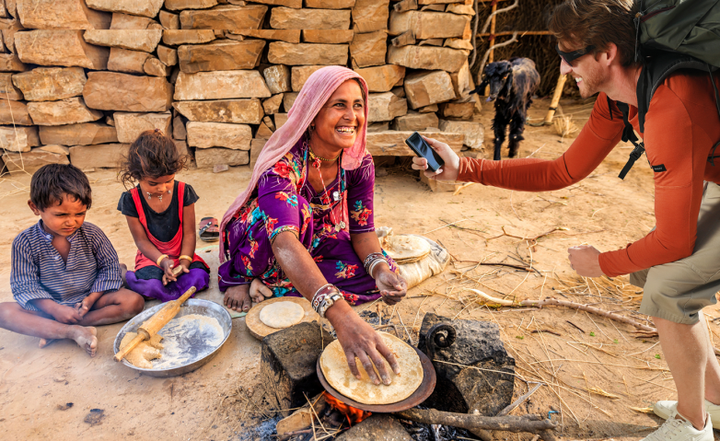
(151, 155)
(53, 182)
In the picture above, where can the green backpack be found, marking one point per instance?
(671, 35)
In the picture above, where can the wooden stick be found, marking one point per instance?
(556, 98)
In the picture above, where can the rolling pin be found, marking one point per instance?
(155, 323)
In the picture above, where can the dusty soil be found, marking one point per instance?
(574, 353)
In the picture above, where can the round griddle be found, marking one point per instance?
(421, 393)
(260, 330)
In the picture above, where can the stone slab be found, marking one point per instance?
(59, 48)
(473, 132)
(31, 161)
(369, 49)
(167, 55)
(289, 18)
(145, 8)
(370, 15)
(8, 91)
(11, 63)
(300, 74)
(129, 93)
(297, 4)
(307, 54)
(212, 134)
(256, 147)
(168, 20)
(328, 36)
(124, 60)
(53, 148)
(224, 55)
(330, 4)
(427, 88)
(51, 83)
(178, 5)
(178, 125)
(280, 119)
(427, 57)
(156, 68)
(137, 40)
(220, 85)
(272, 105)
(78, 134)
(208, 158)
(98, 156)
(277, 78)
(463, 109)
(392, 143)
(18, 139)
(382, 78)
(176, 37)
(385, 107)
(239, 111)
(122, 21)
(130, 125)
(14, 112)
(57, 113)
(224, 17)
(415, 121)
(426, 25)
(60, 14)
(289, 35)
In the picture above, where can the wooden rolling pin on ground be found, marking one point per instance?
(155, 323)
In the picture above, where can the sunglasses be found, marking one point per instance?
(570, 57)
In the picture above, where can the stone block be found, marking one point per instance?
(382, 78)
(18, 139)
(220, 85)
(221, 55)
(426, 88)
(51, 83)
(168, 20)
(414, 122)
(178, 126)
(32, 160)
(130, 125)
(289, 35)
(427, 57)
(60, 14)
(328, 36)
(178, 5)
(463, 81)
(300, 74)
(176, 37)
(370, 15)
(256, 147)
(58, 113)
(212, 134)
(378, 126)
(8, 91)
(462, 109)
(128, 93)
(167, 56)
(11, 63)
(136, 40)
(272, 105)
(277, 78)
(208, 158)
(392, 143)
(307, 54)
(57, 149)
(458, 43)
(224, 17)
(98, 156)
(263, 131)
(369, 49)
(385, 106)
(78, 134)
(297, 4)
(280, 119)
(426, 25)
(461, 9)
(59, 48)
(289, 100)
(156, 68)
(238, 111)
(428, 109)
(124, 60)
(476, 345)
(145, 8)
(288, 362)
(330, 4)
(121, 21)
(473, 132)
(268, 121)
(289, 18)
(377, 427)
(14, 112)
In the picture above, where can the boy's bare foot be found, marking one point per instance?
(46, 341)
(123, 272)
(259, 292)
(237, 298)
(86, 338)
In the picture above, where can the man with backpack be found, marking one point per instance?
(675, 107)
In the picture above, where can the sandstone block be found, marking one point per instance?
(167, 56)
(156, 68)
(32, 160)
(123, 60)
(328, 36)
(122, 21)
(98, 156)
(18, 139)
(243, 111)
(8, 90)
(289, 18)
(426, 57)
(224, 17)
(297, 4)
(59, 48)
(57, 113)
(269, 123)
(277, 78)
(137, 40)
(426, 88)
(78, 134)
(427, 109)
(51, 83)
(60, 14)
(289, 35)
(463, 81)
(256, 147)
(53, 148)
(178, 5)
(176, 37)
(179, 131)
(458, 43)
(212, 134)
(379, 127)
(280, 119)
(473, 132)
(289, 100)
(146, 8)
(300, 74)
(208, 158)
(129, 93)
(14, 112)
(385, 106)
(392, 143)
(272, 105)
(415, 121)
(369, 49)
(436, 2)
(224, 55)
(370, 15)
(425, 25)
(307, 54)
(263, 132)
(330, 4)
(461, 9)
(168, 20)
(11, 63)
(462, 109)
(382, 78)
(220, 85)
(130, 125)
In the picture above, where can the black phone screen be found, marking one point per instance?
(421, 148)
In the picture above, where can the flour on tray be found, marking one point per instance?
(188, 339)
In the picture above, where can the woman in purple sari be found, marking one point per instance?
(304, 226)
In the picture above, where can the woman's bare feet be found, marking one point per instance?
(86, 338)
(237, 298)
(259, 292)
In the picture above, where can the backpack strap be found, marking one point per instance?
(629, 135)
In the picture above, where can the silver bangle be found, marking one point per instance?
(372, 266)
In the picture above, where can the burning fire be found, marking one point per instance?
(352, 414)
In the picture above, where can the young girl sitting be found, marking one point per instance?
(160, 212)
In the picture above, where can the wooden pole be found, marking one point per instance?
(555, 99)
(492, 39)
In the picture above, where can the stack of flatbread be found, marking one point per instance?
(406, 249)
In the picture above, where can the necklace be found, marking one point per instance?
(314, 156)
(325, 198)
(160, 196)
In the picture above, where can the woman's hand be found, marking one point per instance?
(167, 265)
(449, 171)
(392, 286)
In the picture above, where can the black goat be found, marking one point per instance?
(512, 85)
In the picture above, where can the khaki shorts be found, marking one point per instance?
(677, 291)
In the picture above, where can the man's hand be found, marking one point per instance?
(392, 287)
(449, 171)
(584, 259)
(66, 314)
(87, 303)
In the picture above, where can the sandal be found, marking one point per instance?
(208, 229)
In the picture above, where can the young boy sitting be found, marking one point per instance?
(65, 274)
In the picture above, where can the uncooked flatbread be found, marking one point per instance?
(144, 352)
(335, 368)
(281, 315)
(404, 247)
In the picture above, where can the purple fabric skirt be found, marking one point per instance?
(199, 278)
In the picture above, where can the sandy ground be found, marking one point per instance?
(574, 352)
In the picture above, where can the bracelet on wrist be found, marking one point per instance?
(185, 257)
(375, 263)
(325, 297)
(161, 258)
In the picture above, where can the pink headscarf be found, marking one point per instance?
(314, 94)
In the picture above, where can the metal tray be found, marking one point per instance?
(199, 350)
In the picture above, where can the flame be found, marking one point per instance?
(352, 414)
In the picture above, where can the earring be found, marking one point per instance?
(169, 191)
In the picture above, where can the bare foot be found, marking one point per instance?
(237, 298)
(123, 272)
(86, 338)
(46, 341)
(259, 292)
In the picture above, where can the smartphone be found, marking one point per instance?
(421, 148)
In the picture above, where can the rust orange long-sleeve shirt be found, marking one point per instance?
(681, 127)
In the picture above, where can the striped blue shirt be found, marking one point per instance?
(39, 271)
